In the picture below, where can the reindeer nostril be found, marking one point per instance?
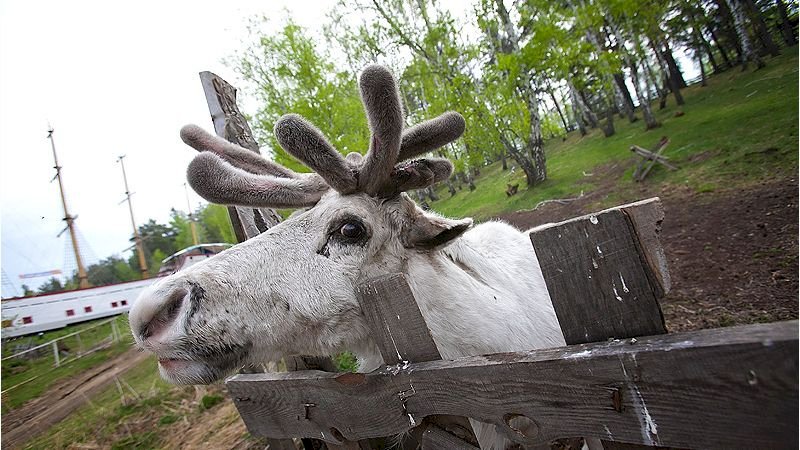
(166, 315)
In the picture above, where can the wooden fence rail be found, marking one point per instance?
(722, 388)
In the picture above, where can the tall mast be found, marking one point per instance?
(191, 216)
(83, 280)
(136, 237)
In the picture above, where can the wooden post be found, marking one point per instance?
(230, 124)
(55, 353)
(606, 273)
(403, 337)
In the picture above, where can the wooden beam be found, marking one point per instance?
(229, 123)
(395, 320)
(403, 337)
(721, 388)
(586, 297)
(605, 272)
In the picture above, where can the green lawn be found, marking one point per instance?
(740, 129)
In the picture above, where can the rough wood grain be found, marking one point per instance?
(230, 124)
(395, 320)
(722, 388)
(644, 227)
(403, 336)
(435, 438)
(600, 283)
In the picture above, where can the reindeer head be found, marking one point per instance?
(291, 290)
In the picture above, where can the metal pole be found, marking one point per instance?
(55, 353)
(83, 280)
(136, 237)
(191, 216)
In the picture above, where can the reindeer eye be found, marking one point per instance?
(352, 230)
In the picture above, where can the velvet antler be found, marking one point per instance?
(219, 182)
(306, 143)
(381, 101)
(201, 140)
(233, 175)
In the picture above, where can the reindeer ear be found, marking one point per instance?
(428, 231)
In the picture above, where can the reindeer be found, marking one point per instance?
(292, 289)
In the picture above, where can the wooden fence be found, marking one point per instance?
(619, 380)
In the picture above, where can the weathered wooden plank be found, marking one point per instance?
(435, 438)
(395, 320)
(403, 336)
(598, 273)
(732, 387)
(230, 124)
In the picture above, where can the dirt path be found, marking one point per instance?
(733, 255)
(36, 416)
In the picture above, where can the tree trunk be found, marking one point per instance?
(558, 108)
(525, 87)
(625, 97)
(503, 160)
(739, 20)
(756, 18)
(608, 129)
(699, 55)
(583, 108)
(674, 71)
(525, 164)
(617, 91)
(535, 141)
(785, 26)
(470, 179)
(707, 47)
(432, 193)
(653, 81)
(728, 30)
(722, 52)
(450, 187)
(672, 82)
(576, 114)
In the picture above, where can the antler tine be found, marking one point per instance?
(201, 140)
(220, 182)
(431, 134)
(416, 174)
(385, 115)
(305, 142)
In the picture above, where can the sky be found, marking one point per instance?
(111, 78)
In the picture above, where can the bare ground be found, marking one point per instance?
(733, 254)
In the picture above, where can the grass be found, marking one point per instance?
(99, 420)
(739, 130)
(41, 371)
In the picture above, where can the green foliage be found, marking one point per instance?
(289, 74)
(167, 419)
(346, 362)
(208, 401)
(51, 285)
(216, 224)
